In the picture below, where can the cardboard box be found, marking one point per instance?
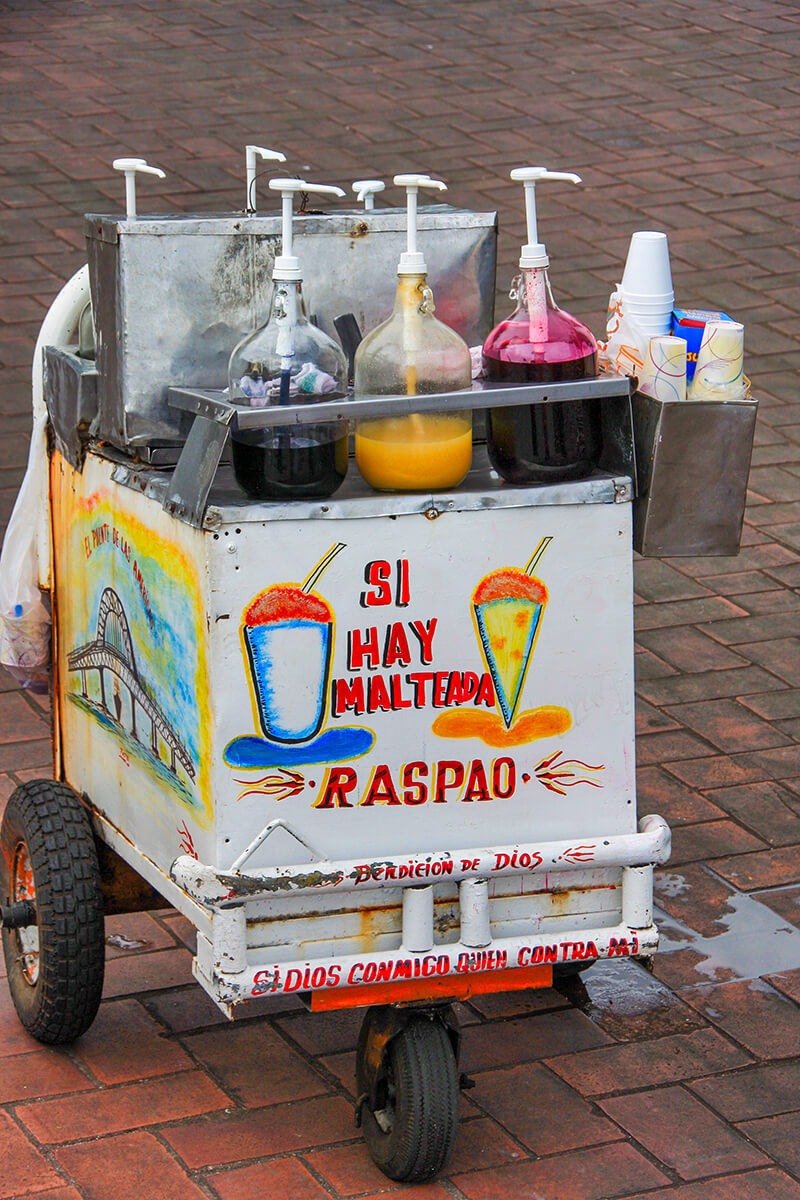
(689, 323)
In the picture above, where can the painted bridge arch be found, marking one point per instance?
(111, 650)
(113, 627)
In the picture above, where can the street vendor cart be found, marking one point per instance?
(338, 736)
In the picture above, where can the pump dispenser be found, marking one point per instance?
(540, 343)
(288, 361)
(251, 155)
(365, 190)
(412, 353)
(130, 167)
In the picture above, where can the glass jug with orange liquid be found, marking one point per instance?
(413, 354)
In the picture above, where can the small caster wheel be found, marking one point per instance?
(52, 911)
(571, 969)
(409, 1116)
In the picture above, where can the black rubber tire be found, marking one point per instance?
(49, 820)
(421, 1101)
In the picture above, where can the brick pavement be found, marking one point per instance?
(682, 1085)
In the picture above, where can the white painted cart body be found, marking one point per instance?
(413, 839)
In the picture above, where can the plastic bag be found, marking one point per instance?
(25, 559)
(625, 349)
(24, 613)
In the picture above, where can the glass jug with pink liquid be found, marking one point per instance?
(551, 441)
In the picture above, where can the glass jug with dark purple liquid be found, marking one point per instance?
(552, 441)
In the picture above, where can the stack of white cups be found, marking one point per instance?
(647, 294)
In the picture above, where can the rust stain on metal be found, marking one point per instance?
(446, 921)
(376, 919)
(367, 918)
(560, 898)
(235, 992)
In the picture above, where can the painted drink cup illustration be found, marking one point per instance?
(288, 638)
(288, 633)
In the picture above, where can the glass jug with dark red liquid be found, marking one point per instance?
(551, 441)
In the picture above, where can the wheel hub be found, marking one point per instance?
(24, 888)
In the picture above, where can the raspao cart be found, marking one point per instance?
(308, 726)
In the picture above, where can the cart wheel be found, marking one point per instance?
(410, 1132)
(49, 872)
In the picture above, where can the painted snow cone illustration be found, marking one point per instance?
(508, 606)
(507, 609)
(288, 633)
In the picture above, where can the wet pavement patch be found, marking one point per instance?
(752, 941)
(627, 1002)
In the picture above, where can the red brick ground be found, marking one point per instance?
(679, 116)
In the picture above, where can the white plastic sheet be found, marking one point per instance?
(25, 559)
(24, 613)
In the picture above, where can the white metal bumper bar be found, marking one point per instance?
(211, 887)
(455, 959)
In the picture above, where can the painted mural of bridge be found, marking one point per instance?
(111, 654)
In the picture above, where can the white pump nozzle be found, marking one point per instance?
(365, 190)
(251, 153)
(286, 265)
(533, 253)
(412, 261)
(130, 166)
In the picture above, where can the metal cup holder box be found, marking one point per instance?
(692, 464)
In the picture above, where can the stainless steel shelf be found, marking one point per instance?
(188, 491)
(215, 406)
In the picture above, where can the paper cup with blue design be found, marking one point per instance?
(719, 372)
(288, 634)
(663, 373)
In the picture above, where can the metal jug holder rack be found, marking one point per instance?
(189, 487)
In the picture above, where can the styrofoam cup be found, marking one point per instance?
(645, 310)
(648, 319)
(647, 270)
(648, 310)
(647, 295)
(665, 301)
(653, 327)
(647, 304)
(656, 312)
